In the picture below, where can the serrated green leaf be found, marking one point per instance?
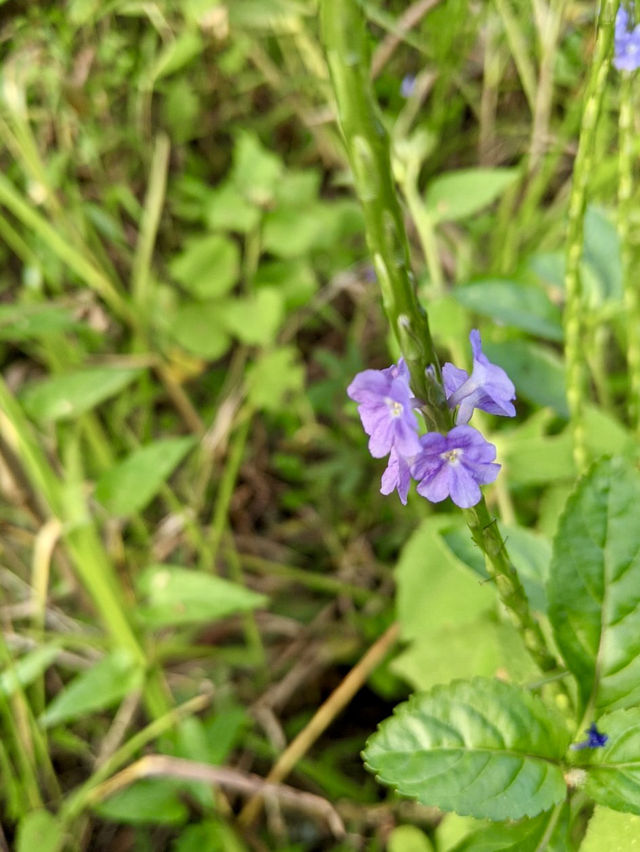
(155, 801)
(612, 831)
(132, 483)
(208, 266)
(97, 688)
(594, 586)
(537, 373)
(523, 836)
(68, 395)
(483, 748)
(513, 303)
(176, 595)
(613, 771)
(457, 195)
(199, 329)
(39, 830)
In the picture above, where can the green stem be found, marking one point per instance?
(625, 207)
(582, 170)
(367, 147)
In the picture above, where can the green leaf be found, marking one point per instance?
(26, 669)
(523, 836)
(178, 595)
(155, 801)
(255, 319)
(434, 588)
(132, 483)
(273, 377)
(177, 54)
(594, 586)
(602, 254)
(515, 304)
(256, 171)
(227, 208)
(611, 831)
(458, 195)
(408, 838)
(613, 772)
(294, 279)
(537, 373)
(208, 266)
(32, 322)
(483, 747)
(199, 329)
(101, 686)
(68, 395)
(531, 555)
(39, 830)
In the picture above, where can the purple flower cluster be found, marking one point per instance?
(627, 42)
(452, 465)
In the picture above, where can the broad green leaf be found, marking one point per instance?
(613, 771)
(513, 303)
(208, 836)
(472, 648)
(408, 838)
(523, 836)
(132, 483)
(537, 373)
(227, 209)
(458, 195)
(65, 396)
(537, 460)
(208, 266)
(273, 377)
(594, 586)
(256, 170)
(176, 595)
(612, 831)
(27, 668)
(99, 687)
(293, 231)
(483, 748)
(255, 319)
(199, 329)
(39, 831)
(155, 801)
(294, 279)
(434, 588)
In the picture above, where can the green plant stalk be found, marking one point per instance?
(582, 169)
(368, 151)
(630, 281)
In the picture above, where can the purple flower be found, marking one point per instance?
(594, 739)
(488, 387)
(408, 85)
(455, 465)
(627, 43)
(396, 476)
(386, 410)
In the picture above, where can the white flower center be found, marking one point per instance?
(451, 456)
(395, 408)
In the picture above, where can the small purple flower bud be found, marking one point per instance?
(594, 739)
(455, 465)
(627, 42)
(488, 387)
(386, 410)
(397, 476)
(408, 85)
